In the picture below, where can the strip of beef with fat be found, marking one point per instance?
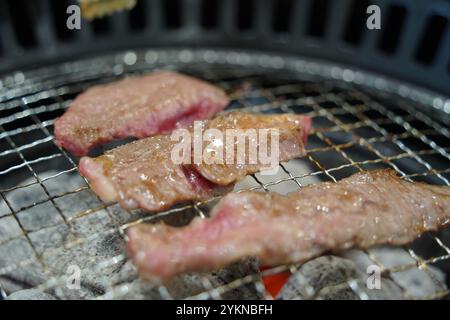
(366, 209)
(139, 107)
(291, 140)
(142, 174)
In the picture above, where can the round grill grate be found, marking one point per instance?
(361, 122)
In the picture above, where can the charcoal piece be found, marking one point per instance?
(30, 294)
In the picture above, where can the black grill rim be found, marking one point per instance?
(170, 23)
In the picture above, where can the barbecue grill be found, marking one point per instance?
(378, 98)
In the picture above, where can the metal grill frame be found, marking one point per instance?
(23, 88)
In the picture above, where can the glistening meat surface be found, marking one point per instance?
(293, 133)
(139, 107)
(366, 209)
(142, 174)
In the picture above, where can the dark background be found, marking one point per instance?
(413, 44)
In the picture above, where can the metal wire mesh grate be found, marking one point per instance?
(354, 130)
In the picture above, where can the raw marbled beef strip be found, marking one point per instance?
(139, 107)
(366, 209)
(142, 174)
